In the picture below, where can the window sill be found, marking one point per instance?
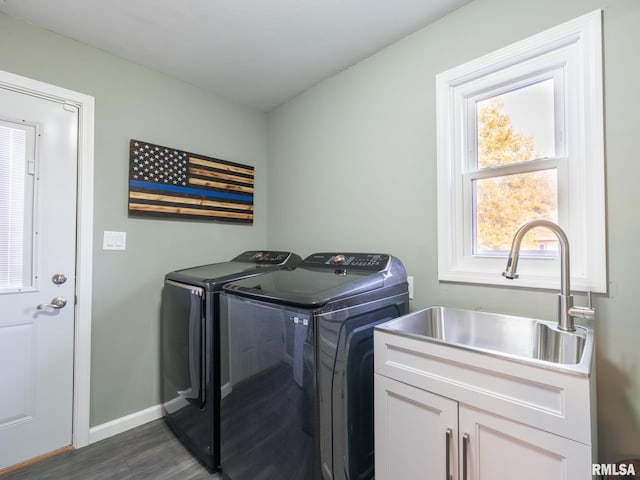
(524, 281)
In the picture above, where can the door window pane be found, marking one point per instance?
(16, 205)
(516, 126)
(504, 203)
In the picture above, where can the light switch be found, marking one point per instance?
(114, 241)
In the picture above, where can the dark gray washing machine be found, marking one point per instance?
(191, 346)
(299, 402)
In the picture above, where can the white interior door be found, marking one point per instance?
(38, 169)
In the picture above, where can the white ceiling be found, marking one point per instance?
(256, 52)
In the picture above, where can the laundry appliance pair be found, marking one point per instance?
(281, 386)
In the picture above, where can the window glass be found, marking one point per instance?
(504, 203)
(16, 205)
(516, 126)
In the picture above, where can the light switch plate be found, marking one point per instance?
(114, 241)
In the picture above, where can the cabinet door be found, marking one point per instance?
(501, 449)
(415, 433)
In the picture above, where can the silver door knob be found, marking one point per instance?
(59, 278)
(56, 303)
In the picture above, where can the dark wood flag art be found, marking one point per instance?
(169, 183)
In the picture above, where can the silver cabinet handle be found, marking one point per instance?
(56, 302)
(465, 447)
(447, 440)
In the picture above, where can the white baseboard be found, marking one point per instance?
(122, 424)
(225, 390)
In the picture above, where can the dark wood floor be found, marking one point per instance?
(148, 452)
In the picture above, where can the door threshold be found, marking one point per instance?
(36, 460)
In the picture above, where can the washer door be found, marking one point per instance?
(182, 345)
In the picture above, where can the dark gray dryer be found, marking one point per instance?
(191, 344)
(300, 380)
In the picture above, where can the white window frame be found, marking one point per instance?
(573, 52)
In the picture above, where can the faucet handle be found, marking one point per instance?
(583, 312)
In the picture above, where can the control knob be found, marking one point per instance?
(338, 259)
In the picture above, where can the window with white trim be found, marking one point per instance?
(520, 137)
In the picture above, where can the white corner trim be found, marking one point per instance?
(84, 271)
(122, 424)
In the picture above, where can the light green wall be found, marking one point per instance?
(134, 102)
(352, 166)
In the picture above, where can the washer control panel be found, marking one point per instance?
(374, 262)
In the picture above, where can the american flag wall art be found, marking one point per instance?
(169, 183)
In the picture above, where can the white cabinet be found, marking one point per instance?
(499, 448)
(415, 432)
(440, 413)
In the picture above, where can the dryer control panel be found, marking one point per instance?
(373, 262)
(264, 257)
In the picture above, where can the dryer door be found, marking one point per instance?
(268, 420)
(182, 345)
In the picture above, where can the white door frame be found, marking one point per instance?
(84, 241)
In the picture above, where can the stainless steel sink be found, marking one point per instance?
(523, 339)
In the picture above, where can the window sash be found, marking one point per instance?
(480, 229)
(513, 80)
(551, 68)
(468, 210)
(513, 169)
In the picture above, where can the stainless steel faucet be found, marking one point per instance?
(566, 310)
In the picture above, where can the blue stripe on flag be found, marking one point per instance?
(190, 191)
